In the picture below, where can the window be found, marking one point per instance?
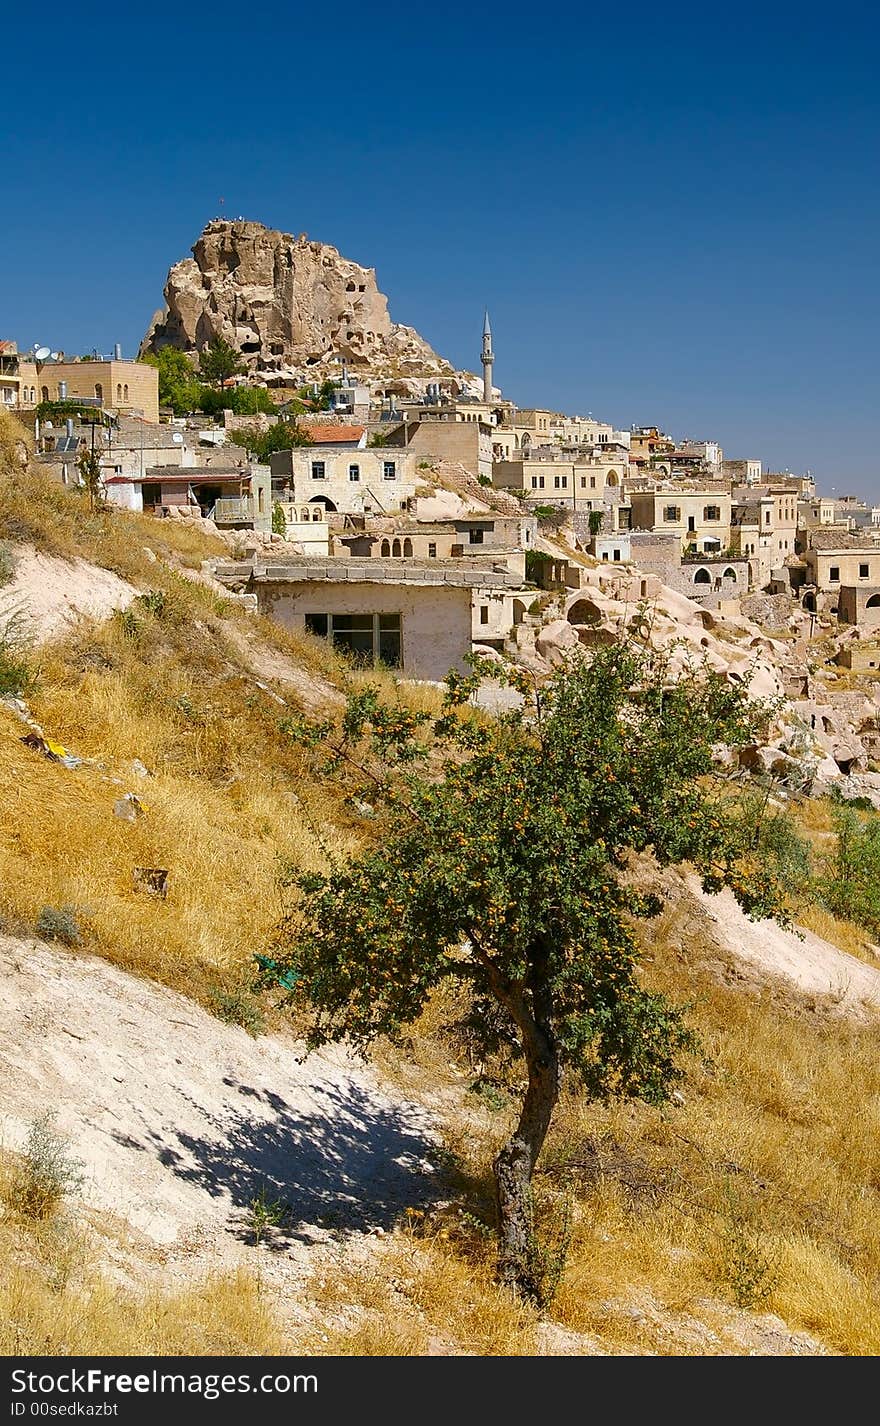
(99, 391)
(712, 512)
(671, 513)
(534, 482)
(395, 549)
(118, 391)
(863, 571)
(319, 470)
(584, 482)
(556, 482)
(369, 638)
(541, 481)
(475, 537)
(484, 613)
(565, 482)
(432, 550)
(354, 472)
(125, 393)
(592, 482)
(407, 549)
(385, 550)
(767, 517)
(834, 573)
(389, 470)
(617, 556)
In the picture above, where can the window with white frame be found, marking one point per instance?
(319, 470)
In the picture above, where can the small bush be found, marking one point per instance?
(7, 564)
(47, 1171)
(279, 520)
(237, 1007)
(264, 1212)
(59, 923)
(17, 675)
(851, 886)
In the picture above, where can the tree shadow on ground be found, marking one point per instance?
(348, 1162)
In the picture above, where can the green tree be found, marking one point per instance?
(179, 387)
(497, 857)
(282, 436)
(218, 361)
(279, 521)
(88, 464)
(851, 887)
(241, 400)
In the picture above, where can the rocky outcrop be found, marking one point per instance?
(287, 305)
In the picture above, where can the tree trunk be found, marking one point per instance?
(516, 1162)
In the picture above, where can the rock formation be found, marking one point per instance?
(287, 305)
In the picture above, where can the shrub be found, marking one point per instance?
(59, 923)
(47, 1171)
(237, 1007)
(851, 887)
(279, 522)
(17, 676)
(265, 1212)
(7, 565)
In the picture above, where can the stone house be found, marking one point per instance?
(503, 538)
(19, 385)
(131, 386)
(764, 527)
(546, 476)
(234, 497)
(378, 480)
(834, 563)
(414, 616)
(699, 516)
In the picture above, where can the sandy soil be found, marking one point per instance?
(182, 1120)
(50, 594)
(802, 958)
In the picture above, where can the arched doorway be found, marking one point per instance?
(322, 500)
(702, 576)
(519, 610)
(730, 574)
(385, 550)
(395, 549)
(810, 603)
(407, 549)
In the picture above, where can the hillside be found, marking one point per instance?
(742, 1219)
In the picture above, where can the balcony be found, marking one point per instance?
(233, 512)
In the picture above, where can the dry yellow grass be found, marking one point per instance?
(765, 1180)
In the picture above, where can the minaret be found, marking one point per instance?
(487, 358)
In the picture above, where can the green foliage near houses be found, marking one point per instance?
(218, 361)
(240, 400)
(279, 521)
(260, 444)
(179, 386)
(497, 859)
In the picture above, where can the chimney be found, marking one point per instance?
(117, 351)
(62, 391)
(69, 424)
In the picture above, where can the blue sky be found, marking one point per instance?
(671, 212)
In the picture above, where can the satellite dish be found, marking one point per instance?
(55, 355)
(177, 438)
(42, 352)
